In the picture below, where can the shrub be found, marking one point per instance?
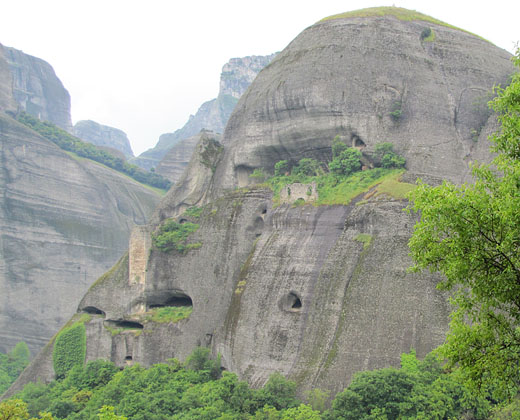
(281, 168)
(386, 157)
(348, 161)
(174, 236)
(338, 147)
(69, 349)
(307, 167)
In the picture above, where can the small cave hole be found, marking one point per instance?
(264, 211)
(182, 221)
(128, 358)
(92, 310)
(297, 304)
(127, 325)
(291, 303)
(357, 142)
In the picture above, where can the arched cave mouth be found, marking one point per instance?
(357, 142)
(125, 324)
(162, 300)
(128, 358)
(92, 310)
(291, 302)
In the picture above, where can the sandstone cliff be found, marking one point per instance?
(36, 88)
(63, 222)
(315, 292)
(103, 135)
(237, 74)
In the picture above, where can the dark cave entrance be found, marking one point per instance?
(92, 310)
(127, 325)
(357, 142)
(291, 302)
(176, 299)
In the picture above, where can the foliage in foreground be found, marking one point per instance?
(68, 142)
(12, 364)
(200, 390)
(471, 234)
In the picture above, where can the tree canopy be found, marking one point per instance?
(471, 234)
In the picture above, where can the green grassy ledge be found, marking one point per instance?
(398, 12)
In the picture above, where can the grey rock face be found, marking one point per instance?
(317, 293)
(238, 73)
(103, 135)
(7, 102)
(369, 80)
(176, 160)
(212, 115)
(37, 90)
(63, 222)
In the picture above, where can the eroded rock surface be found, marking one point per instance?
(36, 88)
(316, 293)
(63, 222)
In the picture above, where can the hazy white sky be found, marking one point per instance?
(145, 66)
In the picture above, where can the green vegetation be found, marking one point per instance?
(428, 35)
(471, 234)
(365, 239)
(173, 235)
(198, 389)
(194, 212)
(168, 314)
(397, 111)
(398, 12)
(12, 364)
(342, 179)
(209, 156)
(69, 349)
(83, 149)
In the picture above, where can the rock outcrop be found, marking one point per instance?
(237, 74)
(63, 222)
(36, 88)
(315, 292)
(103, 135)
(173, 164)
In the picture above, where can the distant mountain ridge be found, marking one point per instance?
(237, 74)
(103, 135)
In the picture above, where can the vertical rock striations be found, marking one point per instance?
(37, 90)
(316, 292)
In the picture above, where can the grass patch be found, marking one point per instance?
(398, 12)
(173, 235)
(393, 187)
(365, 239)
(168, 314)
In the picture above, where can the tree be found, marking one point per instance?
(347, 162)
(471, 234)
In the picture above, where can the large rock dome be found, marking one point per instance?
(375, 75)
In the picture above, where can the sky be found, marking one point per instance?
(145, 66)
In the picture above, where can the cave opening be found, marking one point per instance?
(357, 142)
(129, 325)
(128, 358)
(176, 299)
(92, 310)
(291, 302)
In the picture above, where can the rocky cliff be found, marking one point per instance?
(36, 88)
(103, 135)
(173, 164)
(237, 74)
(315, 292)
(63, 222)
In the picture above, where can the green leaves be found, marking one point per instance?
(471, 234)
(69, 349)
(173, 235)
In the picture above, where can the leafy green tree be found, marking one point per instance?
(281, 168)
(347, 162)
(107, 413)
(306, 167)
(12, 364)
(471, 234)
(337, 147)
(386, 157)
